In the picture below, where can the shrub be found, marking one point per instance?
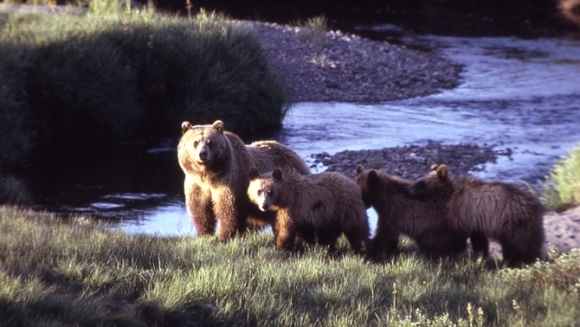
(133, 74)
(562, 190)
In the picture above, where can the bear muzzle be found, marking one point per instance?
(203, 157)
(264, 206)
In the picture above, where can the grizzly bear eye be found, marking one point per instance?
(270, 192)
(208, 142)
(259, 192)
(195, 143)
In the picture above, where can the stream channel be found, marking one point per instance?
(521, 94)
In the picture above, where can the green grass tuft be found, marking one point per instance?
(56, 271)
(313, 30)
(562, 190)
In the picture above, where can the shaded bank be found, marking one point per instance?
(94, 80)
(69, 80)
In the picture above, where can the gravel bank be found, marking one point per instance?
(347, 68)
(411, 161)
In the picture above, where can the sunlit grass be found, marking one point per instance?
(562, 190)
(73, 271)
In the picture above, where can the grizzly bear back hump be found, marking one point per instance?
(268, 155)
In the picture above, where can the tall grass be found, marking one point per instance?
(313, 30)
(562, 189)
(58, 272)
(131, 74)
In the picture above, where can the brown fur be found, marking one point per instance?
(328, 204)
(499, 211)
(216, 164)
(399, 213)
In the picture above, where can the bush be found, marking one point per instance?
(562, 190)
(134, 74)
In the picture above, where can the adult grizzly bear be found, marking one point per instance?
(399, 213)
(500, 211)
(216, 165)
(327, 204)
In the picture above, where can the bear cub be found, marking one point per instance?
(499, 211)
(324, 205)
(400, 213)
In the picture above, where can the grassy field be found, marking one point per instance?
(141, 69)
(73, 272)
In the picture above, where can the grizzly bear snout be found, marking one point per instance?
(203, 155)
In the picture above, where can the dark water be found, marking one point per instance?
(521, 94)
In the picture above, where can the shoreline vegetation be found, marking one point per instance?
(67, 271)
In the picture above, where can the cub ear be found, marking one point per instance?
(359, 169)
(185, 126)
(434, 167)
(218, 125)
(277, 174)
(254, 174)
(442, 171)
(373, 178)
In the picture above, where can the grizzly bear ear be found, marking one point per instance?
(218, 125)
(277, 174)
(359, 169)
(372, 178)
(434, 167)
(254, 174)
(185, 126)
(442, 171)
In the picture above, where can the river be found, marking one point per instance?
(521, 94)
